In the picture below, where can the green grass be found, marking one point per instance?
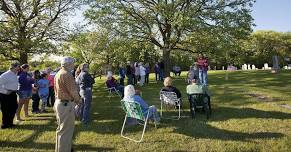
(247, 116)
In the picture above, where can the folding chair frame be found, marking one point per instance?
(112, 91)
(172, 104)
(143, 124)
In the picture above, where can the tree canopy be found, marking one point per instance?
(168, 24)
(32, 26)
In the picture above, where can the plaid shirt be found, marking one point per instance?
(203, 64)
(65, 86)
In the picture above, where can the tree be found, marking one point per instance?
(168, 24)
(32, 26)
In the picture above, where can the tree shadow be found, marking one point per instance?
(199, 128)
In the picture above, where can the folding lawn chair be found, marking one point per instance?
(199, 101)
(133, 110)
(170, 98)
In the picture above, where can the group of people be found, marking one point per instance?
(67, 93)
(18, 81)
(199, 71)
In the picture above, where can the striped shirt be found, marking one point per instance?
(65, 86)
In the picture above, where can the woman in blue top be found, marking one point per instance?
(130, 95)
(24, 90)
(43, 90)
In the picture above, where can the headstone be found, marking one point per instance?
(209, 68)
(286, 67)
(266, 66)
(289, 66)
(244, 67)
(253, 67)
(249, 67)
(214, 67)
(222, 67)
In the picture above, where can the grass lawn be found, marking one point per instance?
(249, 113)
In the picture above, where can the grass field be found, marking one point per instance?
(250, 113)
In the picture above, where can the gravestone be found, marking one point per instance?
(266, 66)
(249, 67)
(253, 67)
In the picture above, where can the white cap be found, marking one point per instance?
(67, 60)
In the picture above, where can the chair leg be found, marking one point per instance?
(161, 109)
(144, 128)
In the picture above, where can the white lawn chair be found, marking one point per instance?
(170, 98)
(112, 92)
(133, 110)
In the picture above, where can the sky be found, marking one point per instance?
(268, 15)
(272, 15)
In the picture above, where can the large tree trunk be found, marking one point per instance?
(23, 58)
(166, 60)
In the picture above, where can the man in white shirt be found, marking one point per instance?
(142, 73)
(8, 97)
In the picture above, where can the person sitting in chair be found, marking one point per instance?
(168, 87)
(196, 88)
(112, 83)
(130, 94)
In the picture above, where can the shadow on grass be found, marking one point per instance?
(50, 147)
(199, 128)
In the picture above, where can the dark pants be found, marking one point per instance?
(35, 102)
(177, 73)
(129, 79)
(161, 74)
(8, 108)
(122, 81)
(147, 78)
(51, 97)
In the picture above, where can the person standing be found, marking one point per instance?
(66, 93)
(162, 70)
(129, 73)
(147, 71)
(157, 71)
(8, 97)
(203, 67)
(24, 91)
(43, 90)
(121, 72)
(142, 73)
(85, 82)
(35, 97)
(136, 73)
(51, 97)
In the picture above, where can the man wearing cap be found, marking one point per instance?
(66, 93)
(8, 97)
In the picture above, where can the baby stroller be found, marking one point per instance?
(199, 101)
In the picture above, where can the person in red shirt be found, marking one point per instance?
(51, 97)
(203, 67)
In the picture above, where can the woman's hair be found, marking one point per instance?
(24, 66)
(78, 70)
(43, 75)
(83, 66)
(36, 74)
(168, 82)
(129, 91)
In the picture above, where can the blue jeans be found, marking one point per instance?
(153, 114)
(86, 95)
(203, 77)
(161, 75)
